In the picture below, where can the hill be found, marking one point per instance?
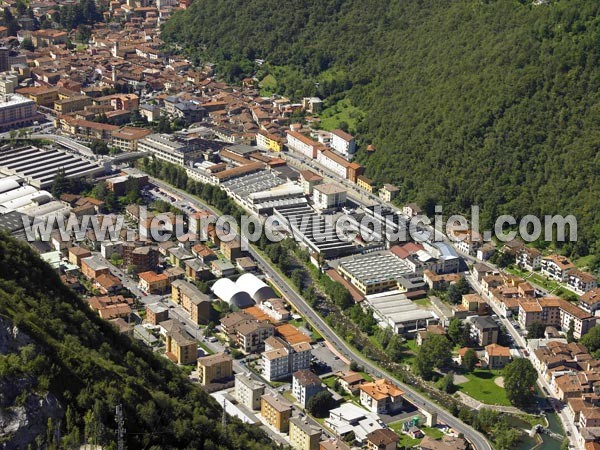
(63, 370)
(494, 103)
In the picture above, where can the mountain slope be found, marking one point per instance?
(61, 362)
(494, 103)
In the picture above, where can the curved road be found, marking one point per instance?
(476, 438)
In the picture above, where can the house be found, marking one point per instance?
(76, 254)
(343, 143)
(431, 330)
(276, 411)
(529, 258)
(214, 368)
(388, 192)
(581, 282)
(590, 301)
(108, 283)
(411, 210)
(153, 283)
(350, 381)
(496, 356)
(556, 267)
(192, 299)
(308, 180)
(481, 270)
(380, 396)
(248, 391)
(92, 267)
(333, 444)
(382, 439)
(180, 347)
(484, 331)
(304, 435)
(222, 268)
(305, 384)
(156, 313)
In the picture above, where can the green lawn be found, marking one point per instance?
(535, 278)
(267, 86)
(481, 386)
(584, 262)
(342, 111)
(423, 303)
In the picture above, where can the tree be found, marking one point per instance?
(99, 147)
(27, 44)
(591, 340)
(435, 353)
(297, 278)
(320, 404)
(60, 184)
(536, 330)
(446, 384)
(456, 331)
(519, 380)
(457, 290)
(470, 360)
(571, 331)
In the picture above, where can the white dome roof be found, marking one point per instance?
(230, 293)
(254, 286)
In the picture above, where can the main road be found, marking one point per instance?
(477, 439)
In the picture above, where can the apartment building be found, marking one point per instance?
(180, 347)
(556, 267)
(308, 180)
(8, 83)
(388, 192)
(343, 143)
(581, 282)
(172, 149)
(554, 311)
(250, 334)
(381, 396)
(302, 144)
(276, 411)
(484, 331)
(328, 196)
(76, 254)
(248, 391)
(92, 267)
(196, 303)
(339, 165)
(529, 258)
(153, 283)
(305, 384)
(281, 360)
(590, 301)
(156, 313)
(16, 111)
(268, 142)
(304, 435)
(213, 368)
(496, 356)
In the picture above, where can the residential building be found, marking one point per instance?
(177, 255)
(496, 356)
(343, 143)
(119, 185)
(71, 104)
(9, 81)
(388, 192)
(590, 301)
(382, 439)
(180, 347)
(380, 396)
(529, 258)
(276, 411)
(231, 249)
(308, 180)
(484, 331)
(364, 183)
(142, 259)
(351, 418)
(302, 144)
(328, 196)
(213, 368)
(196, 270)
(196, 303)
(339, 165)
(16, 111)
(249, 334)
(303, 435)
(556, 312)
(556, 267)
(350, 381)
(281, 360)
(156, 313)
(411, 210)
(92, 267)
(581, 282)
(269, 142)
(305, 384)
(222, 268)
(333, 444)
(153, 283)
(248, 391)
(76, 254)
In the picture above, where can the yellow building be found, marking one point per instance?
(214, 368)
(269, 142)
(41, 95)
(304, 436)
(70, 104)
(153, 283)
(277, 412)
(180, 348)
(364, 183)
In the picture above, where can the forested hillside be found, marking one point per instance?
(63, 370)
(494, 103)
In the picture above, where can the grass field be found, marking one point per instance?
(342, 111)
(267, 86)
(481, 386)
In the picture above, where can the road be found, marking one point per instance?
(476, 438)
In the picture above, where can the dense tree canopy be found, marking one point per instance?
(519, 381)
(494, 103)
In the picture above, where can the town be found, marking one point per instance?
(324, 343)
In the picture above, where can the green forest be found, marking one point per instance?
(90, 367)
(494, 103)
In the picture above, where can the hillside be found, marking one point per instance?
(63, 370)
(494, 103)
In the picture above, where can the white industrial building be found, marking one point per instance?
(394, 310)
(231, 294)
(255, 287)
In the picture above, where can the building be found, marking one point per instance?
(305, 384)
(269, 142)
(214, 368)
(76, 254)
(121, 184)
(276, 411)
(156, 313)
(581, 282)
(248, 391)
(196, 270)
(142, 259)
(72, 104)
(308, 180)
(250, 335)
(303, 435)
(302, 144)
(192, 299)
(382, 439)
(176, 150)
(350, 418)
(339, 165)
(153, 283)
(496, 356)
(180, 347)
(328, 196)
(231, 249)
(16, 111)
(388, 192)
(556, 267)
(484, 331)
(590, 301)
(343, 143)
(281, 360)
(364, 183)
(380, 396)
(333, 444)
(529, 258)
(92, 267)
(373, 273)
(8, 83)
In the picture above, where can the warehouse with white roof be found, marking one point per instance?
(231, 294)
